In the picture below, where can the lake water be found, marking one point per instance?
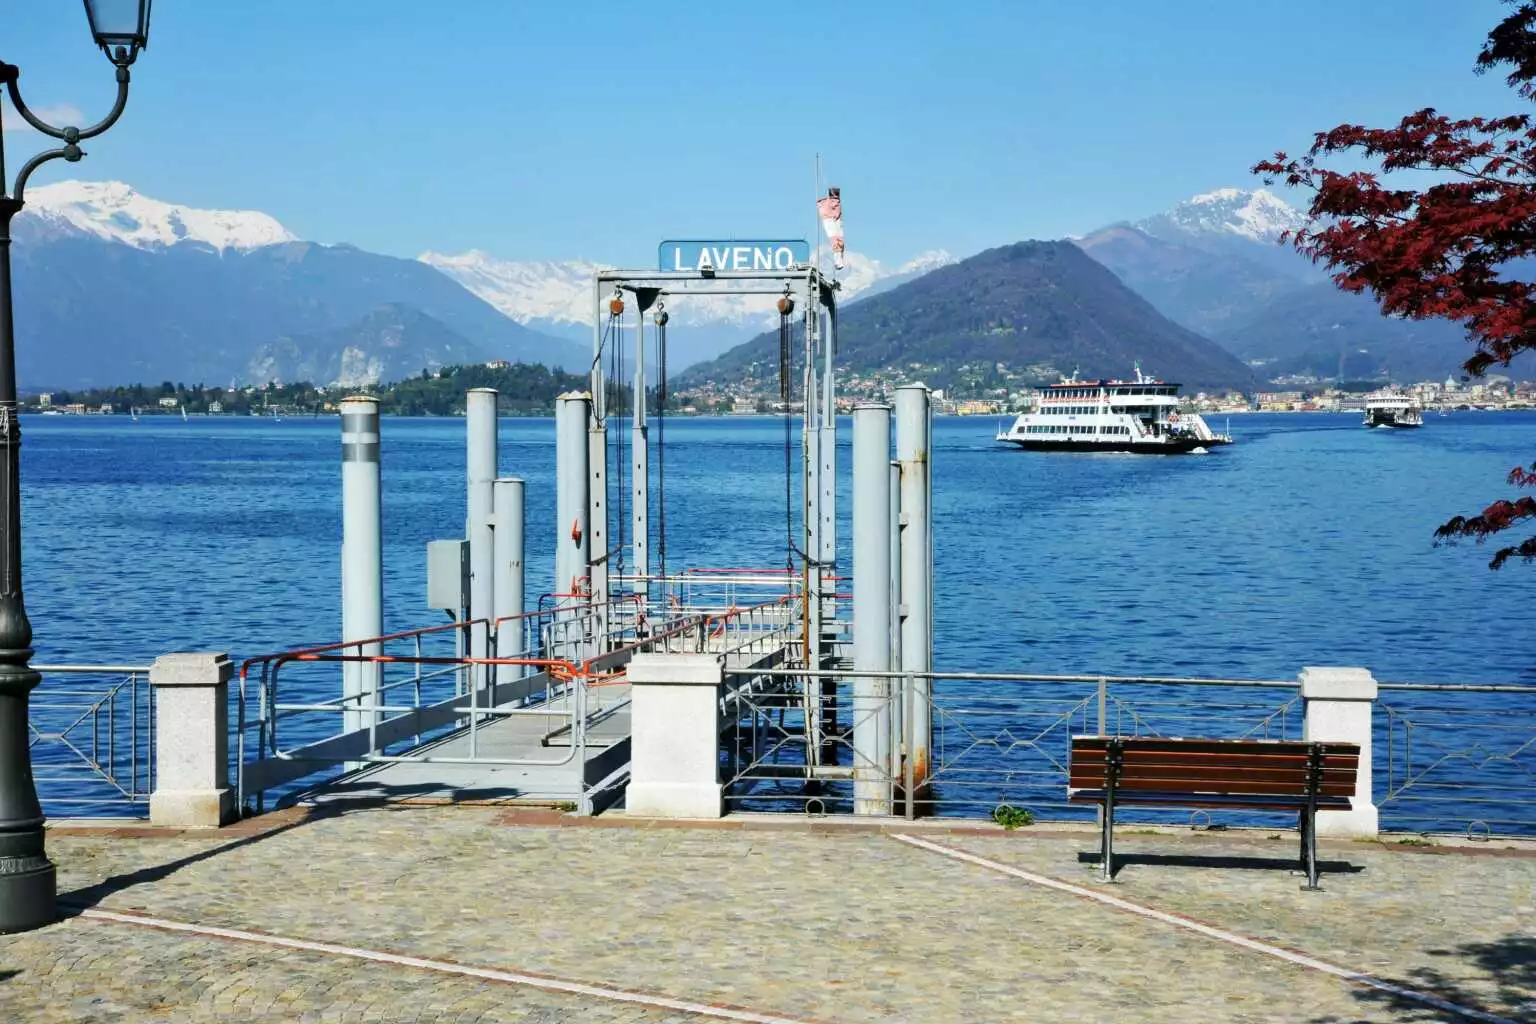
(1306, 542)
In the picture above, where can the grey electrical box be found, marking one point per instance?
(448, 575)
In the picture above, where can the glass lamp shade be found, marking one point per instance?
(120, 27)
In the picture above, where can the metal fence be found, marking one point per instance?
(996, 739)
(1456, 758)
(1445, 758)
(91, 731)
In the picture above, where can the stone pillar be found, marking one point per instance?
(191, 741)
(1337, 705)
(675, 736)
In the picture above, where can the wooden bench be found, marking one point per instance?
(1259, 775)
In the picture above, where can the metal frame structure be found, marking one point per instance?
(816, 294)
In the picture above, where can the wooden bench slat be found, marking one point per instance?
(1336, 762)
(1205, 743)
(1208, 801)
(1156, 784)
(1292, 747)
(1219, 779)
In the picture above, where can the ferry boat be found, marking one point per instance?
(1389, 408)
(1140, 415)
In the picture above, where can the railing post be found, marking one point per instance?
(1337, 707)
(191, 741)
(675, 736)
(871, 608)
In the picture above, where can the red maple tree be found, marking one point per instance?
(1446, 250)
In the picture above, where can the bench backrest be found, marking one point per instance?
(1259, 768)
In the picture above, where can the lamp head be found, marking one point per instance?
(120, 28)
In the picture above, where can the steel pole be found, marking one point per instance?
(27, 877)
(871, 608)
(507, 505)
(480, 473)
(362, 556)
(914, 429)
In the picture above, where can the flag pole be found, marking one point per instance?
(817, 228)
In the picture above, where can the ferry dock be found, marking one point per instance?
(663, 792)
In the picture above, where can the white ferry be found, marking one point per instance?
(1389, 408)
(1140, 415)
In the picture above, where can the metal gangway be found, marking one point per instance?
(545, 723)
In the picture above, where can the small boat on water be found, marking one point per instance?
(1392, 408)
(1140, 416)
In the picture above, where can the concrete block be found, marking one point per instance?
(191, 741)
(675, 730)
(1337, 707)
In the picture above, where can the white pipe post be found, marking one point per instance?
(641, 470)
(508, 548)
(914, 433)
(871, 608)
(362, 558)
(480, 463)
(893, 613)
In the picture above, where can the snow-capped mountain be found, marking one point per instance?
(116, 212)
(1256, 216)
(556, 296)
(115, 287)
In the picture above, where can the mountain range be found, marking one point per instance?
(555, 297)
(1215, 264)
(113, 286)
(1040, 308)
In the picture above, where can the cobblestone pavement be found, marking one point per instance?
(1462, 924)
(85, 970)
(827, 925)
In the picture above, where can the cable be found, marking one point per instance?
(661, 436)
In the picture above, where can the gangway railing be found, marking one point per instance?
(565, 675)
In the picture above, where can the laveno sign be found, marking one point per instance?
(696, 254)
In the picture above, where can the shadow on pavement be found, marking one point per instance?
(71, 903)
(1197, 860)
(1507, 967)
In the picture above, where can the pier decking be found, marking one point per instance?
(430, 913)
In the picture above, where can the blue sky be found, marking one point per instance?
(557, 130)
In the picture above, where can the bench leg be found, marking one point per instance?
(1107, 840)
(1309, 847)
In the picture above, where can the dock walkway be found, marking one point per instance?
(404, 912)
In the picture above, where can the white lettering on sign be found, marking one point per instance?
(732, 257)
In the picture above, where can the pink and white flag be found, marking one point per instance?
(830, 207)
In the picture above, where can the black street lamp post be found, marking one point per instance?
(27, 883)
